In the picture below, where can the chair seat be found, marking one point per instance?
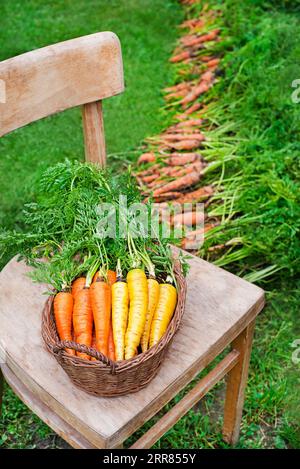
(219, 306)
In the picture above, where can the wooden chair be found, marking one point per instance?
(220, 309)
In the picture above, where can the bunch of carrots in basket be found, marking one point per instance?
(114, 291)
(117, 315)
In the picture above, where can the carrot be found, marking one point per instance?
(119, 313)
(138, 296)
(78, 285)
(150, 178)
(178, 87)
(188, 218)
(163, 313)
(195, 107)
(189, 241)
(177, 95)
(190, 123)
(153, 293)
(111, 277)
(213, 63)
(181, 183)
(199, 194)
(83, 320)
(100, 296)
(93, 346)
(180, 57)
(206, 58)
(207, 76)
(196, 135)
(203, 87)
(192, 23)
(168, 196)
(183, 159)
(63, 309)
(189, 40)
(184, 144)
(147, 158)
(149, 171)
(111, 344)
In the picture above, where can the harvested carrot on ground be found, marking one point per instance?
(138, 296)
(164, 311)
(181, 183)
(188, 218)
(120, 299)
(183, 159)
(184, 144)
(147, 158)
(180, 57)
(83, 320)
(100, 296)
(63, 309)
(78, 285)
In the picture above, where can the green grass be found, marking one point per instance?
(129, 118)
(259, 204)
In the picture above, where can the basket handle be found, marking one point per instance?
(62, 345)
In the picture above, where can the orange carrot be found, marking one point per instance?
(178, 87)
(63, 309)
(111, 277)
(184, 144)
(181, 183)
(111, 344)
(182, 136)
(190, 123)
(78, 285)
(147, 158)
(213, 63)
(181, 160)
(94, 346)
(199, 194)
(150, 178)
(189, 241)
(203, 87)
(180, 57)
(100, 296)
(195, 107)
(83, 320)
(167, 196)
(208, 76)
(188, 218)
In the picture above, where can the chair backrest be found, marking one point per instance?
(81, 71)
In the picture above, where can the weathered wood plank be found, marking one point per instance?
(187, 402)
(94, 138)
(219, 306)
(65, 431)
(61, 76)
(236, 384)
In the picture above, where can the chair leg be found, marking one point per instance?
(236, 384)
(1, 389)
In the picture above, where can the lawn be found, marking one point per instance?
(128, 118)
(259, 197)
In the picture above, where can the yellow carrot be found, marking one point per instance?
(138, 296)
(153, 294)
(119, 292)
(119, 304)
(164, 311)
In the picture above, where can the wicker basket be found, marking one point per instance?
(104, 377)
